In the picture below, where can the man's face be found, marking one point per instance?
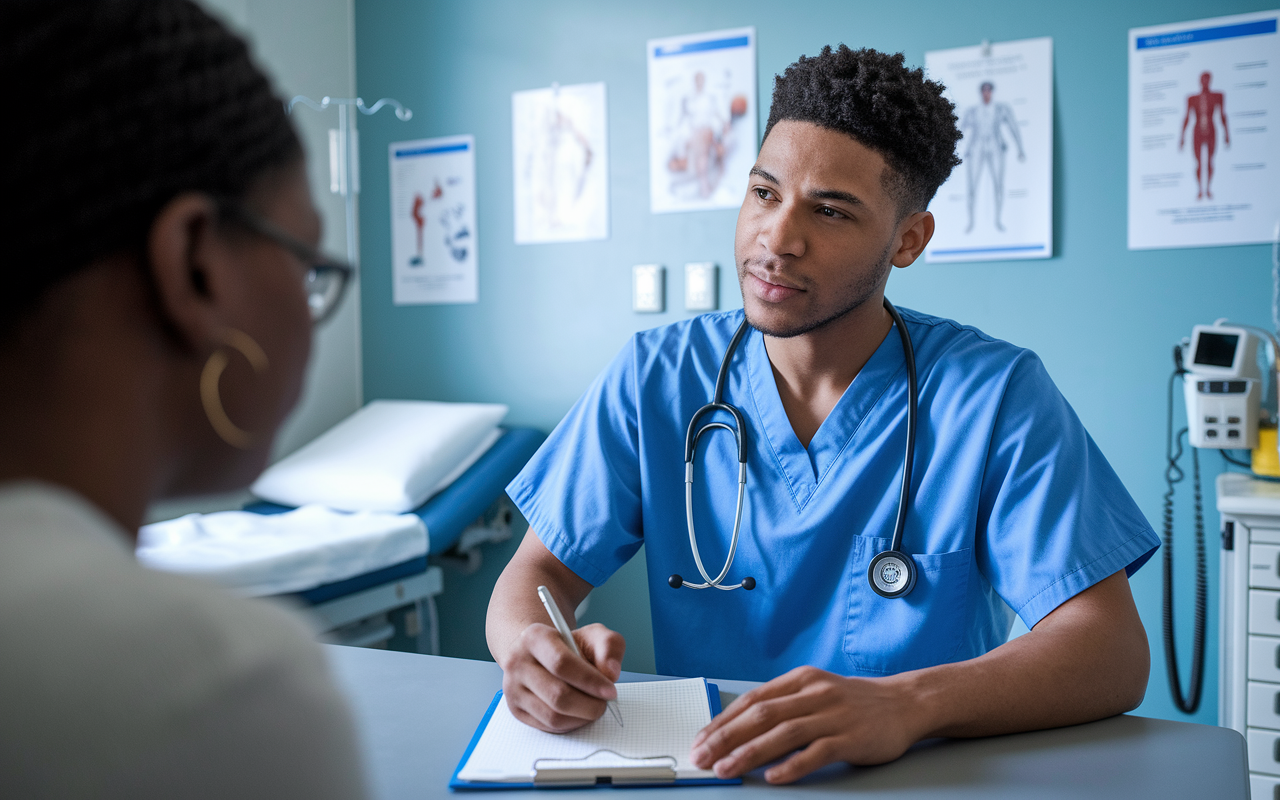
(815, 231)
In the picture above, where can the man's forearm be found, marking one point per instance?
(1078, 665)
(514, 604)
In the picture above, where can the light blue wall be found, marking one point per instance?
(1102, 318)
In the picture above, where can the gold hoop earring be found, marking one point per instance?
(211, 397)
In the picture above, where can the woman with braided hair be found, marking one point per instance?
(158, 284)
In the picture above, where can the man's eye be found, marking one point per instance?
(763, 194)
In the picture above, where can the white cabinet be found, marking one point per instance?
(1249, 658)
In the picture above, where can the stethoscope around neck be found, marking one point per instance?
(892, 572)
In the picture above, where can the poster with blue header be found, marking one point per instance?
(433, 221)
(1204, 159)
(702, 119)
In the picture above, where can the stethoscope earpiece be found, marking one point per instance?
(675, 581)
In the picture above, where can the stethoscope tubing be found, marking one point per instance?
(695, 432)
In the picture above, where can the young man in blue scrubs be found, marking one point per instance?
(1014, 510)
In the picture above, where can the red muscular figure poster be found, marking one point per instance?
(1203, 99)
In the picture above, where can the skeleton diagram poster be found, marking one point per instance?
(1204, 161)
(998, 204)
(433, 221)
(559, 139)
(702, 119)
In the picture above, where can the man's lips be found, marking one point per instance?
(770, 292)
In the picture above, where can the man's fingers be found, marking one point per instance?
(817, 755)
(604, 648)
(769, 745)
(549, 650)
(779, 717)
(781, 686)
(530, 709)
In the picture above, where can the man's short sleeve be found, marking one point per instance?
(1055, 518)
(581, 491)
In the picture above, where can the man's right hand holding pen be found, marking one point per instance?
(546, 685)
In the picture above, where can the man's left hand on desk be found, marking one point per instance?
(833, 718)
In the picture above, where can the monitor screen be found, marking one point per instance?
(1216, 349)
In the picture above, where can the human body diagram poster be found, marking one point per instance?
(433, 221)
(702, 119)
(1204, 160)
(998, 204)
(560, 145)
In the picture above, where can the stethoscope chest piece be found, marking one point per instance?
(892, 574)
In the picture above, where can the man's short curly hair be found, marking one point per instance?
(874, 98)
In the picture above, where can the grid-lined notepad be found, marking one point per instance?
(660, 720)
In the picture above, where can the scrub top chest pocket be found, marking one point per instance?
(923, 629)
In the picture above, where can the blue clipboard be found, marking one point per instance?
(713, 700)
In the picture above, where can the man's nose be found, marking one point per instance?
(783, 234)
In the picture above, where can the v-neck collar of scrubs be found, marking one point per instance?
(805, 469)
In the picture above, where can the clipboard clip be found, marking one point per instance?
(986, 48)
(604, 767)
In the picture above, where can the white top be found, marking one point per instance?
(117, 681)
(1241, 494)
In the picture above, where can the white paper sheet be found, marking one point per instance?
(1204, 159)
(433, 221)
(561, 159)
(702, 119)
(998, 204)
(660, 719)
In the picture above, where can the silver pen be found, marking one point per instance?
(562, 625)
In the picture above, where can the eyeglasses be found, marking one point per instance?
(326, 279)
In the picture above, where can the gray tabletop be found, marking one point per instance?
(416, 715)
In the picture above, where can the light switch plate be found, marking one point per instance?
(701, 286)
(648, 288)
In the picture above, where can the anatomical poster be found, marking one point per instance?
(1204, 160)
(561, 158)
(433, 221)
(998, 204)
(702, 119)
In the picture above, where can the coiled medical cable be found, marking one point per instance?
(1174, 475)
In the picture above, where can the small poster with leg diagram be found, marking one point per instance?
(561, 158)
(998, 204)
(1204, 158)
(433, 221)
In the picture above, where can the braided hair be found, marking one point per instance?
(873, 97)
(118, 106)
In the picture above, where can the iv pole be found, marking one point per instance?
(344, 153)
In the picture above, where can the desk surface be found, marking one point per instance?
(416, 714)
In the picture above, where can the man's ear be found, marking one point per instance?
(187, 261)
(914, 234)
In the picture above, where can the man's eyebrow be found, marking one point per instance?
(835, 194)
(763, 174)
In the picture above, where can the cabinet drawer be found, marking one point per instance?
(1264, 751)
(1264, 706)
(1264, 612)
(1264, 566)
(1264, 787)
(1264, 659)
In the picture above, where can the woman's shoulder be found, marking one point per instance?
(114, 657)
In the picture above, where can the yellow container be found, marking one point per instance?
(1266, 459)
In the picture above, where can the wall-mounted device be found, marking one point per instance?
(701, 285)
(1222, 387)
(648, 288)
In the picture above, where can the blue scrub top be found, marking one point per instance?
(1015, 509)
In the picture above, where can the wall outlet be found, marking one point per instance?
(648, 288)
(701, 286)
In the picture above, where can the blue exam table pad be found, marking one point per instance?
(446, 515)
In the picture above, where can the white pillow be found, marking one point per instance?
(390, 455)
